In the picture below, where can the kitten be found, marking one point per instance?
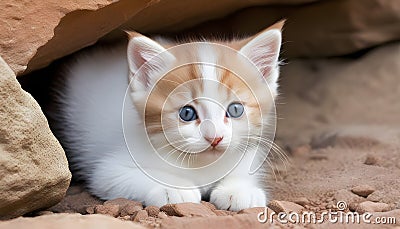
(137, 123)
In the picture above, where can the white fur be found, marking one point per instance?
(88, 123)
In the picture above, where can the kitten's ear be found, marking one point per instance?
(143, 50)
(263, 50)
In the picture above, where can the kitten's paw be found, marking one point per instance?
(237, 198)
(160, 196)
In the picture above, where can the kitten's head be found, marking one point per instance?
(204, 97)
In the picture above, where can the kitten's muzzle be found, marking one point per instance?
(214, 141)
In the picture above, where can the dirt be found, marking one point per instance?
(339, 124)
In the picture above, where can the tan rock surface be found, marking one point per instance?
(33, 167)
(187, 209)
(321, 28)
(67, 221)
(46, 30)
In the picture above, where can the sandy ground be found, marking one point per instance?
(339, 124)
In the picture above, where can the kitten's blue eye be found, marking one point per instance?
(235, 110)
(187, 113)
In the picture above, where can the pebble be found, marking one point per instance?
(363, 190)
(130, 209)
(284, 206)
(162, 215)
(90, 210)
(209, 205)
(152, 211)
(110, 209)
(369, 206)
(140, 215)
(371, 160)
(303, 201)
(346, 196)
(187, 209)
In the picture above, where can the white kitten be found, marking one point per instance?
(182, 126)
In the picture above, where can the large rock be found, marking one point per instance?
(43, 31)
(67, 221)
(33, 167)
(33, 34)
(318, 29)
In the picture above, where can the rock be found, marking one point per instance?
(254, 210)
(130, 209)
(126, 207)
(109, 209)
(33, 167)
(33, 33)
(187, 209)
(209, 205)
(347, 196)
(369, 206)
(162, 215)
(371, 160)
(303, 201)
(377, 196)
(77, 203)
(90, 209)
(67, 221)
(284, 206)
(363, 190)
(360, 28)
(152, 211)
(140, 215)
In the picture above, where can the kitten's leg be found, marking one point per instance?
(239, 190)
(112, 180)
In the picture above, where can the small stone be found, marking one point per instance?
(110, 209)
(363, 190)
(187, 209)
(209, 205)
(90, 210)
(140, 215)
(152, 211)
(221, 212)
(303, 201)
(162, 215)
(347, 196)
(130, 209)
(254, 210)
(284, 206)
(353, 206)
(369, 206)
(371, 160)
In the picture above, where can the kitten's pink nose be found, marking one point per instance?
(214, 141)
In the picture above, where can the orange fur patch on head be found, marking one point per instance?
(158, 99)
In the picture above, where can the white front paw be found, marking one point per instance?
(160, 196)
(236, 198)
